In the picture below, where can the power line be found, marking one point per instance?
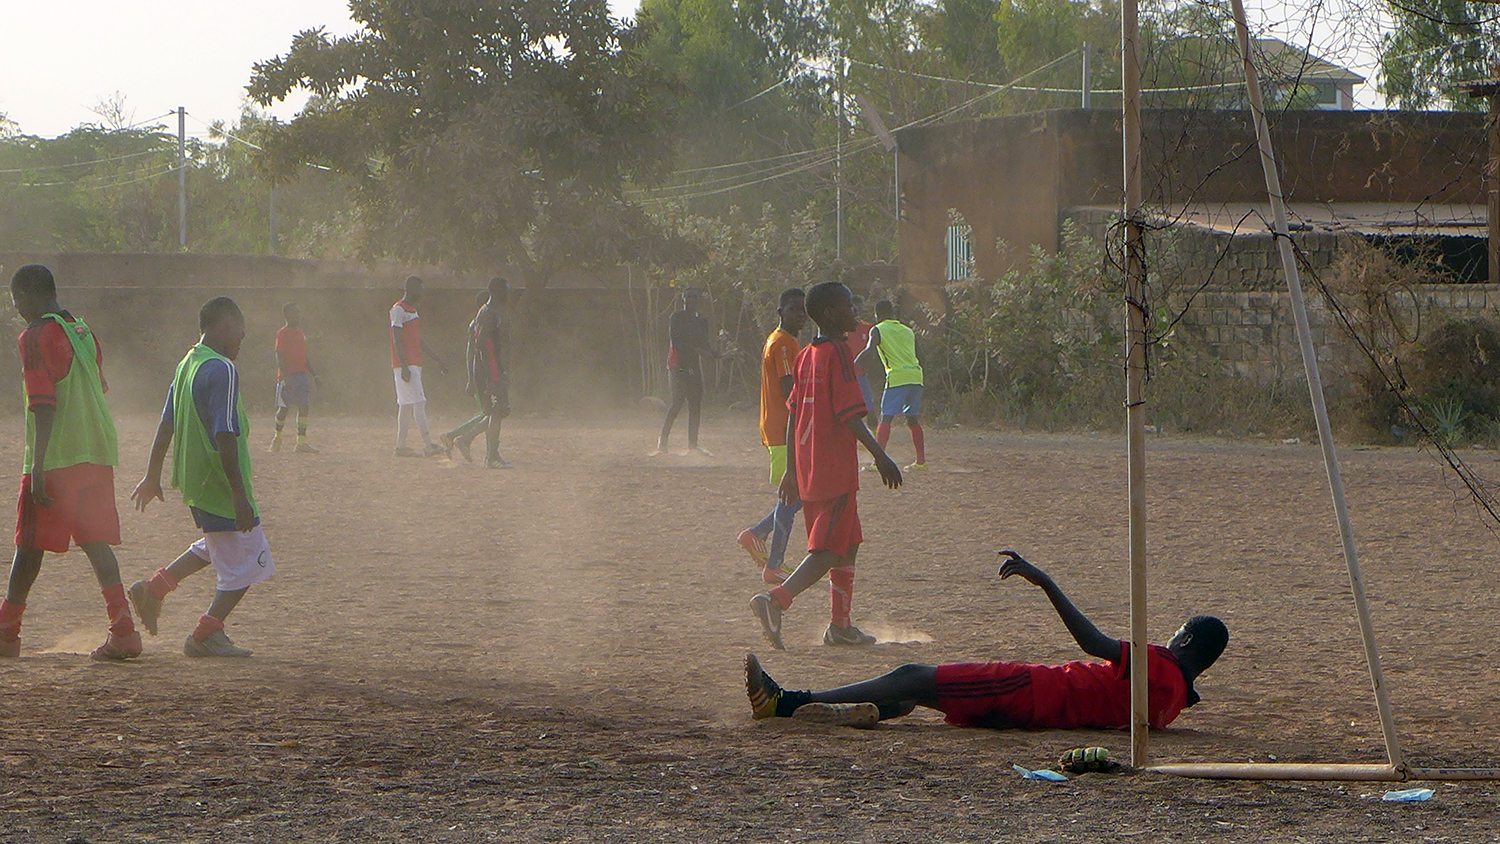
(44, 167)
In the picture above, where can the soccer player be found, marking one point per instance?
(211, 465)
(407, 349)
(859, 341)
(690, 340)
(294, 374)
(896, 345)
(68, 480)
(1001, 695)
(776, 380)
(488, 381)
(826, 420)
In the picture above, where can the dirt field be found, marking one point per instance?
(552, 653)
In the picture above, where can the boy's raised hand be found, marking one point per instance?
(1015, 564)
(146, 490)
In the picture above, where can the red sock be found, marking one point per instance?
(10, 620)
(782, 597)
(919, 442)
(840, 594)
(207, 626)
(120, 622)
(883, 433)
(161, 583)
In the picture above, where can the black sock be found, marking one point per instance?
(790, 700)
(891, 709)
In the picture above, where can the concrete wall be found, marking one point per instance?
(1013, 177)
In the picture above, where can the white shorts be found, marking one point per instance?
(241, 560)
(409, 392)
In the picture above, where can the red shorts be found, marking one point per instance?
(832, 524)
(986, 694)
(83, 509)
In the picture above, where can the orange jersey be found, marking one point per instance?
(775, 363)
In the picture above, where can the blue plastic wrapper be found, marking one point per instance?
(1408, 795)
(1044, 774)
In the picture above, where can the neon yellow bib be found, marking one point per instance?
(82, 430)
(898, 351)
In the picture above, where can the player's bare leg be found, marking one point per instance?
(303, 447)
(23, 573)
(768, 606)
(124, 641)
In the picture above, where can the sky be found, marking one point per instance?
(61, 58)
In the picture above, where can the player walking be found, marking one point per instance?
(68, 478)
(1079, 695)
(294, 374)
(825, 422)
(776, 380)
(211, 465)
(407, 349)
(896, 344)
(488, 380)
(690, 340)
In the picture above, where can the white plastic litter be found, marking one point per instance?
(1408, 795)
(1043, 774)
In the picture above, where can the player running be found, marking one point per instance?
(407, 349)
(68, 480)
(294, 374)
(1003, 695)
(825, 422)
(896, 345)
(488, 379)
(211, 465)
(776, 380)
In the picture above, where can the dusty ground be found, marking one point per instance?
(552, 653)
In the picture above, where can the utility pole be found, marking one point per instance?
(838, 169)
(1088, 78)
(182, 178)
(1135, 376)
(272, 240)
(1490, 88)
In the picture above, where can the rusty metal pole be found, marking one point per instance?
(1135, 378)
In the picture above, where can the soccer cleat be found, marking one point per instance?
(774, 577)
(447, 443)
(496, 462)
(763, 692)
(861, 716)
(754, 546)
(403, 451)
(118, 648)
(432, 450)
(275, 444)
(916, 467)
(217, 644)
(304, 447)
(701, 450)
(769, 612)
(850, 635)
(10, 648)
(147, 606)
(464, 448)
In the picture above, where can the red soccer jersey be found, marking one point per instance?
(1097, 694)
(291, 345)
(405, 317)
(824, 398)
(46, 358)
(859, 338)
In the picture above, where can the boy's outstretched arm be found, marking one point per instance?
(150, 485)
(869, 357)
(890, 474)
(427, 350)
(1089, 637)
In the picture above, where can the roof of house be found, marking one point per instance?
(1287, 61)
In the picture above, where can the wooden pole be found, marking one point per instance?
(1135, 378)
(1492, 187)
(1329, 771)
(1315, 389)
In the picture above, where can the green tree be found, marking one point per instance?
(480, 135)
(1435, 44)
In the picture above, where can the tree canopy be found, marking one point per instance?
(482, 134)
(1433, 46)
